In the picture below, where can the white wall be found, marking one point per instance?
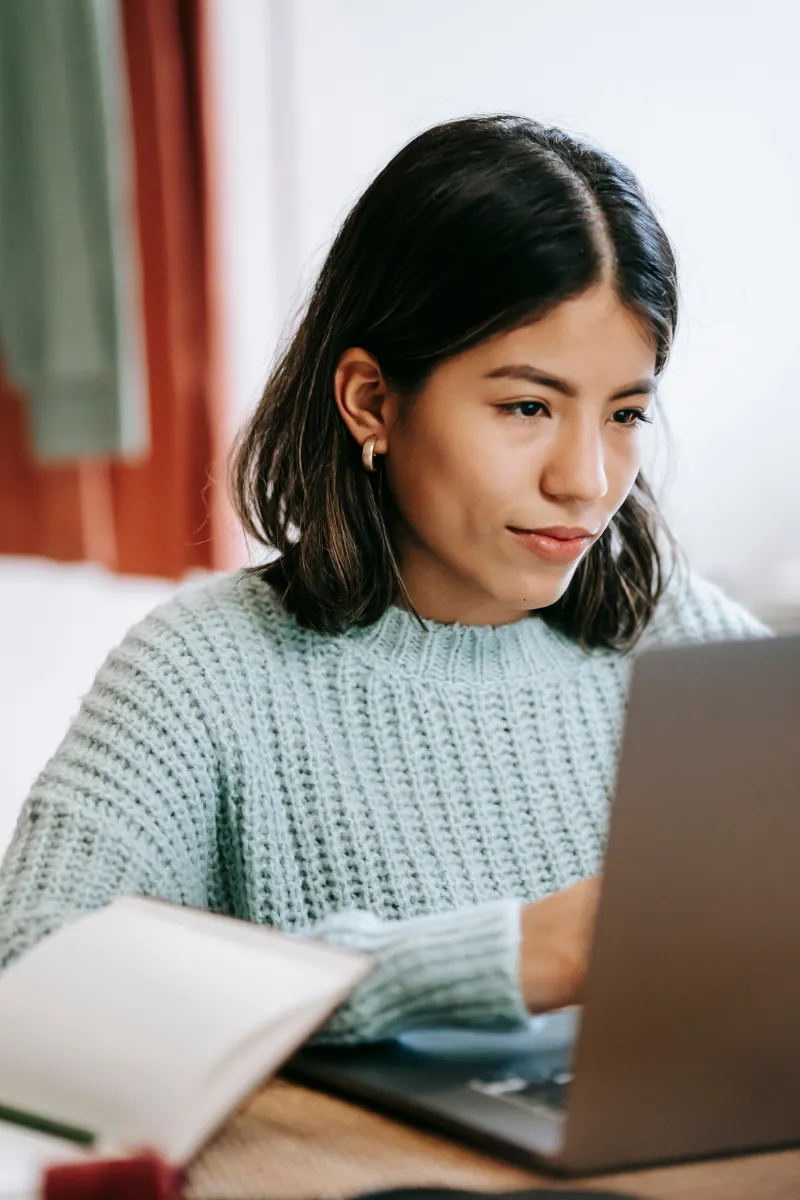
(700, 97)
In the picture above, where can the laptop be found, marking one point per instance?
(688, 1042)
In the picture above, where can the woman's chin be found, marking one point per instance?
(541, 593)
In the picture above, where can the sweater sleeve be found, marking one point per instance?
(126, 805)
(458, 968)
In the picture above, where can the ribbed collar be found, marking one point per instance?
(457, 652)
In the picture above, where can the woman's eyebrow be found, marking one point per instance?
(642, 387)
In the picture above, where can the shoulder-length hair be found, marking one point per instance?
(474, 228)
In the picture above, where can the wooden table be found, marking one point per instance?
(291, 1143)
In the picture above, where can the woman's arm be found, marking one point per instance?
(110, 814)
(488, 965)
(130, 803)
(453, 968)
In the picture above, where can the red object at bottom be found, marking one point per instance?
(144, 1178)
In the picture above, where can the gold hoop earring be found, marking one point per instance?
(368, 455)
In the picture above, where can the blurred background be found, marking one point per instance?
(173, 172)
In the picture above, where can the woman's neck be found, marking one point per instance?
(439, 594)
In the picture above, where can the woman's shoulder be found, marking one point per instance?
(206, 629)
(238, 601)
(693, 609)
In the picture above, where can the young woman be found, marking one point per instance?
(400, 735)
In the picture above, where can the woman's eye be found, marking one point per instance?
(533, 408)
(632, 416)
(524, 408)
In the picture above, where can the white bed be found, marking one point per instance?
(56, 625)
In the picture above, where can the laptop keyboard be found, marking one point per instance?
(536, 1093)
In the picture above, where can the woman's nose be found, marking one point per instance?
(575, 467)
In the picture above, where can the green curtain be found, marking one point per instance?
(71, 326)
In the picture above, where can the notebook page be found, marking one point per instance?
(114, 1023)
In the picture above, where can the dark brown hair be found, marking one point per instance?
(474, 228)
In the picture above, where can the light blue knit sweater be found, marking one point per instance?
(395, 789)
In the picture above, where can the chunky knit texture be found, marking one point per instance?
(396, 789)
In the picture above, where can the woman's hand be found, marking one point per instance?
(556, 939)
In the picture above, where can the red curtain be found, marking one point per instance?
(166, 514)
(58, 512)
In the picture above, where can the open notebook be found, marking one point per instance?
(144, 1024)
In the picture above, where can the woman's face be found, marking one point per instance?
(538, 429)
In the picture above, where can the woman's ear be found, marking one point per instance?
(366, 405)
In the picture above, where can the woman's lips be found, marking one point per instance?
(553, 549)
